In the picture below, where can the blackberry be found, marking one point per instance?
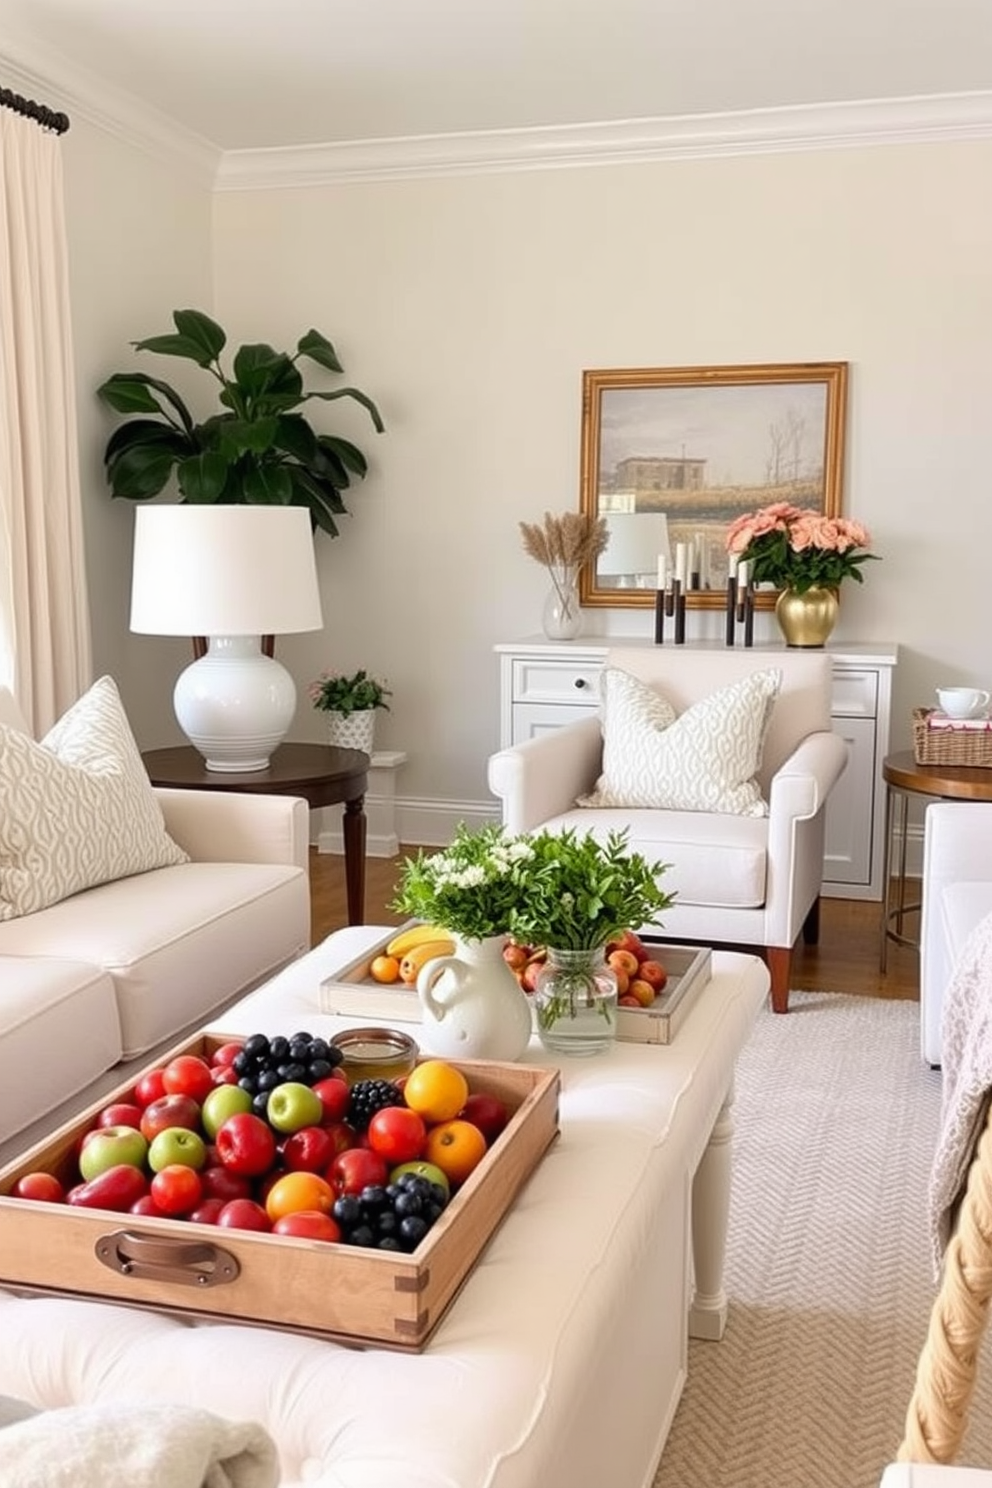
(369, 1096)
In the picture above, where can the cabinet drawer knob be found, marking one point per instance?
(580, 682)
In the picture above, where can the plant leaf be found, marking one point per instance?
(350, 392)
(202, 477)
(129, 392)
(237, 437)
(267, 485)
(140, 471)
(145, 433)
(319, 349)
(344, 453)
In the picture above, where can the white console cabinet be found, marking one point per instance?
(545, 684)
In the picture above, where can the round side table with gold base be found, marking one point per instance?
(904, 779)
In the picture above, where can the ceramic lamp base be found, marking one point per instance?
(235, 705)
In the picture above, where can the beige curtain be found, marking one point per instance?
(44, 613)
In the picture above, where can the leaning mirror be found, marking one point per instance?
(674, 454)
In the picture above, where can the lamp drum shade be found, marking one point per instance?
(223, 570)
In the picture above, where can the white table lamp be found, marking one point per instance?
(232, 574)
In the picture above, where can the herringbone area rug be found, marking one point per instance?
(828, 1270)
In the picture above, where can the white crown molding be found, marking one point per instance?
(63, 84)
(47, 76)
(960, 116)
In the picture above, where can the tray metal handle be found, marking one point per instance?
(188, 1262)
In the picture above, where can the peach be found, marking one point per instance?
(643, 991)
(653, 972)
(624, 961)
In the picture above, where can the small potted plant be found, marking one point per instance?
(350, 701)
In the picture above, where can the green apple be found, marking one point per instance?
(293, 1105)
(108, 1147)
(422, 1169)
(222, 1101)
(177, 1144)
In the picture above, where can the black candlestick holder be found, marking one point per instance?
(660, 600)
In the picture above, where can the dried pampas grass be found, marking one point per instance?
(564, 542)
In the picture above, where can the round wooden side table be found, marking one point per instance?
(904, 779)
(321, 774)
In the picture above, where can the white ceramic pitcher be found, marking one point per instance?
(473, 1005)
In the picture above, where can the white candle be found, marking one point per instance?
(743, 573)
(682, 563)
(662, 571)
(732, 562)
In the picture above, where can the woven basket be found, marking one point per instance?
(352, 730)
(949, 746)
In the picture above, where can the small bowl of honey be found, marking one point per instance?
(376, 1053)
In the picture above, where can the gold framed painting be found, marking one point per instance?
(673, 455)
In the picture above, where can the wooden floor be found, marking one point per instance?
(846, 959)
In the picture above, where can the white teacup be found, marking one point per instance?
(962, 702)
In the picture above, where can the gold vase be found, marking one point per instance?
(806, 620)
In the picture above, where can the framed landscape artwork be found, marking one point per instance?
(674, 454)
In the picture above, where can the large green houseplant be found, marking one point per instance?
(258, 450)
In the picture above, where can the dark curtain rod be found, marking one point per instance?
(46, 117)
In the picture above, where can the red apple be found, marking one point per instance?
(176, 1189)
(529, 975)
(41, 1186)
(188, 1074)
(243, 1214)
(308, 1150)
(246, 1144)
(627, 1001)
(487, 1112)
(224, 1074)
(308, 1224)
(356, 1169)
(147, 1208)
(149, 1088)
(170, 1110)
(335, 1094)
(628, 941)
(121, 1113)
(207, 1211)
(343, 1135)
(652, 971)
(515, 956)
(225, 1054)
(220, 1183)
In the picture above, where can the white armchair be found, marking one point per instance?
(740, 880)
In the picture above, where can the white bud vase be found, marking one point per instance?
(473, 1005)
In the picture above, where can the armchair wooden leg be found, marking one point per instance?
(811, 924)
(779, 961)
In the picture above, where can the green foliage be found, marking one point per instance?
(258, 451)
(333, 692)
(576, 892)
(562, 889)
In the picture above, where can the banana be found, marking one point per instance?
(415, 935)
(417, 957)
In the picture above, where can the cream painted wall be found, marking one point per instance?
(139, 243)
(468, 307)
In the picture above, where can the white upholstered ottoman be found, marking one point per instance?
(563, 1358)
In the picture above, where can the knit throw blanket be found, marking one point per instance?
(133, 1446)
(966, 1062)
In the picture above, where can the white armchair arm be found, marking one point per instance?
(957, 849)
(237, 826)
(798, 794)
(542, 777)
(801, 785)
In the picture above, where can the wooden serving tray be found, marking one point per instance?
(339, 1292)
(689, 969)
(353, 992)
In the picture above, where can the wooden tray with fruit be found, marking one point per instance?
(214, 1185)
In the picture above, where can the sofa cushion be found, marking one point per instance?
(176, 942)
(77, 809)
(59, 1030)
(713, 860)
(705, 759)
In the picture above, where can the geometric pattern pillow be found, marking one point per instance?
(704, 759)
(77, 809)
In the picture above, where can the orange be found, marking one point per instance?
(295, 1191)
(384, 969)
(436, 1090)
(456, 1147)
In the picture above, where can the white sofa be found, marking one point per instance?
(957, 894)
(108, 974)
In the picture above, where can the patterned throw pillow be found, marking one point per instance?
(702, 760)
(77, 809)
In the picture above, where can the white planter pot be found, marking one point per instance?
(352, 730)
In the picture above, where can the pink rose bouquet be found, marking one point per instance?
(798, 549)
